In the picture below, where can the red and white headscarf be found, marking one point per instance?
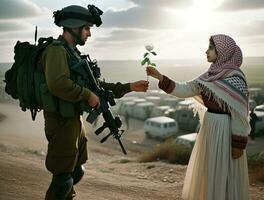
(229, 58)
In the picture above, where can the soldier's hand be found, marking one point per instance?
(139, 86)
(236, 153)
(94, 100)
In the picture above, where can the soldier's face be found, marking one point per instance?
(86, 32)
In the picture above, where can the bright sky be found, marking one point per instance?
(178, 29)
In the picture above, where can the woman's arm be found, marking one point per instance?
(178, 89)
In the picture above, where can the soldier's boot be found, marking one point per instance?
(77, 173)
(52, 196)
(72, 195)
(61, 187)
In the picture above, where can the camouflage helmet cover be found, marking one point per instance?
(76, 16)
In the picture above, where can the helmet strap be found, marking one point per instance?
(77, 36)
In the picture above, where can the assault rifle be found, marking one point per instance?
(90, 71)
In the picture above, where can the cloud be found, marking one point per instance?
(163, 4)
(11, 9)
(7, 42)
(147, 14)
(254, 28)
(125, 35)
(258, 40)
(11, 25)
(242, 28)
(237, 5)
(26, 35)
(142, 18)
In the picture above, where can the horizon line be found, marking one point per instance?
(162, 59)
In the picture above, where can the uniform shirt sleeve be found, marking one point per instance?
(57, 75)
(118, 88)
(179, 89)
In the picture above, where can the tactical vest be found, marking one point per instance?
(51, 103)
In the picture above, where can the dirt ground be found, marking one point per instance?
(110, 175)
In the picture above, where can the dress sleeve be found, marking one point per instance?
(240, 129)
(179, 89)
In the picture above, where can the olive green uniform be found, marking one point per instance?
(66, 135)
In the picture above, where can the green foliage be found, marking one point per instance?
(154, 53)
(145, 60)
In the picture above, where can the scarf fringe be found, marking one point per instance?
(211, 94)
(223, 104)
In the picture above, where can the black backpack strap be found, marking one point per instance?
(73, 58)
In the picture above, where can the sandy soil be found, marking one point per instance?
(110, 175)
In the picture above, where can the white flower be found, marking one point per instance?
(149, 47)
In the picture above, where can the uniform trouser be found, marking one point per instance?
(67, 143)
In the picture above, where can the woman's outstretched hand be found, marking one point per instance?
(152, 71)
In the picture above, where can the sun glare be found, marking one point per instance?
(200, 15)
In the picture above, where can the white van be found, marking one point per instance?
(154, 99)
(160, 127)
(187, 140)
(259, 126)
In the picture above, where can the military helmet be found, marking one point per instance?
(76, 16)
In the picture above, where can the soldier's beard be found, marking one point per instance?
(77, 37)
(80, 41)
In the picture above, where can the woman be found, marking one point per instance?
(217, 169)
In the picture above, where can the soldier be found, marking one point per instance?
(67, 150)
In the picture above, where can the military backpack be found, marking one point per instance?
(20, 78)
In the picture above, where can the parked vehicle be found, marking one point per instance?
(159, 111)
(158, 93)
(185, 117)
(142, 110)
(154, 99)
(170, 101)
(127, 107)
(259, 126)
(187, 140)
(160, 127)
(139, 100)
(252, 104)
(187, 103)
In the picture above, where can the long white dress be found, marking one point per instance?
(212, 173)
